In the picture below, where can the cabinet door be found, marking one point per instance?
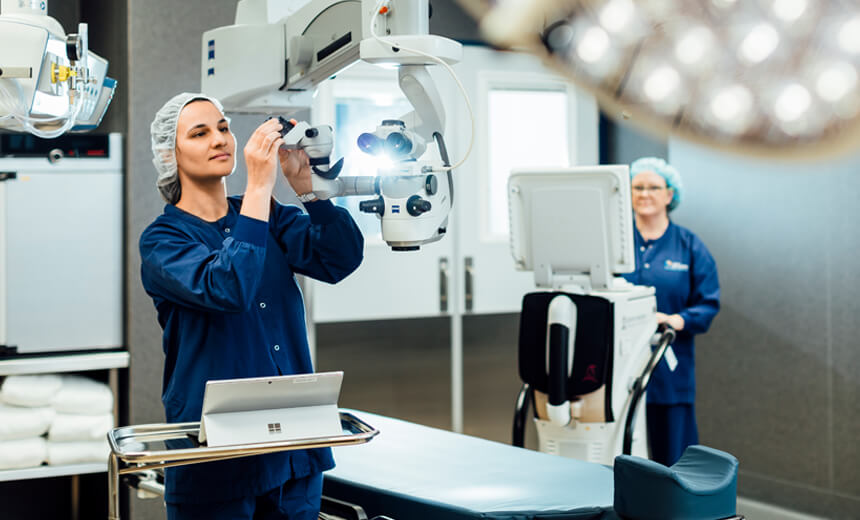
(388, 284)
(525, 117)
(63, 260)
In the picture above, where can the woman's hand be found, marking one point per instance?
(261, 154)
(673, 320)
(297, 170)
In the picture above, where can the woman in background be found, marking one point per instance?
(674, 261)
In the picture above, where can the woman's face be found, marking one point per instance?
(205, 148)
(651, 196)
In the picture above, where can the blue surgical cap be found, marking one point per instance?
(663, 169)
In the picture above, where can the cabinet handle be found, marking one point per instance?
(443, 284)
(470, 286)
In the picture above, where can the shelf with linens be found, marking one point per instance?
(62, 366)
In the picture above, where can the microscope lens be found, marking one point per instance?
(369, 143)
(397, 144)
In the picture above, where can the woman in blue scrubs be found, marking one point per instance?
(674, 261)
(220, 271)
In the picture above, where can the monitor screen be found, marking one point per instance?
(570, 222)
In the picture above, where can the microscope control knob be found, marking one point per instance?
(372, 206)
(416, 206)
(431, 185)
(286, 124)
(312, 132)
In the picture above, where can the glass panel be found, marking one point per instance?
(527, 129)
(360, 106)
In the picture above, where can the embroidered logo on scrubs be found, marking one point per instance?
(675, 266)
(274, 428)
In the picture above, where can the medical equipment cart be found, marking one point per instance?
(141, 448)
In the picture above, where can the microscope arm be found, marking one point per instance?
(345, 186)
(428, 117)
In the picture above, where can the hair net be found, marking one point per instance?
(163, 133)
(663, 169)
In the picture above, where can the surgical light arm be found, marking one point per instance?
(50, 82)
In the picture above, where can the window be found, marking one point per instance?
(527, 128)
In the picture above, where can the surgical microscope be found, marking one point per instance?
(271, 61)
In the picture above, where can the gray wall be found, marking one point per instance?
(777, 373)
(163, 59)
(623, 143)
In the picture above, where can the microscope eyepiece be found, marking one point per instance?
(397, 144)
(370, 143)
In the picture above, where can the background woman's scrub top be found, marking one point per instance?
(684, 274)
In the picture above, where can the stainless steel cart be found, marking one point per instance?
(151, 446)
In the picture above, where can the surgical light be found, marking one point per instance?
(773, 77)
(662, 83)
(593, 45)
(789, 10)
(50, 82)
(723, 4)
(849, 35)
(617, 15)
(694, 46)
(730, 110)
(758, 44)
(837, 84)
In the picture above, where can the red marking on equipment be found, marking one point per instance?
(590, 374)
(383, 9)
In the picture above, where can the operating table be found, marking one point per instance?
(412, 472)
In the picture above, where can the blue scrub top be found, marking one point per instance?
(684, 274)
(230, 307)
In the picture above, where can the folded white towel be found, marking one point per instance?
(23, 453)
(60, 453)
(79, 395)
(21, 423)
(68, 427)
(31, 391)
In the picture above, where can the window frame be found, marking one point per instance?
(487, 82)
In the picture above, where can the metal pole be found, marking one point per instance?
(456, 306)
(113, 487)
(76, 496)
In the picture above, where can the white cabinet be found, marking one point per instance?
(61, 263)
